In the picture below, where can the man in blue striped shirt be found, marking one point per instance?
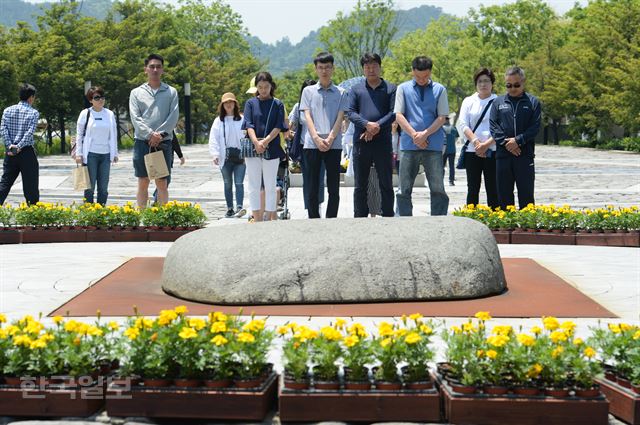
(17, 128)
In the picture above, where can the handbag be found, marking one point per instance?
(233, 155)
(247, 147)
(156, 165)
(80, 176)
(460, 165)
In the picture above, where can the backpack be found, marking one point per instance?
(72, 152)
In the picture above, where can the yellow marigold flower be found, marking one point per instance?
(625, 327)
(94, 331)
(426, 329)
(483, 315)
(526, 340)
(132, 333)
(400, 332)
(498, 340)
(504, 330)
(218, 327)
(4, 334)
(578, 341)
(330, 333)
(557, 351)
(154, 337)
(188, 333)
(12, 330)
(412, 338)
(197, 323)
(304, 333)
(114, 326)
(385, 329)
(181, 309)
(558, 336)
(636, 335)
(34, 328)
(71, 326)
(245, 337)
(480, 353)
(357, 329)
(255, 325)
(568, 326)
(456, 329)
(589, 352)
(351, 340)
(534, 371)
(77, 341)
(23, 340)
(56, 319)
(385, 342)
(492, 354)
(550, 323)
(166, 317)
(219, 340)
(469, 328)
(415, 317)
(536, 330)
(37, 344)
(340, 323)
(47, 337)
(614, 328)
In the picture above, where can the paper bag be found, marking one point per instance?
(156, 165)
(81, 178)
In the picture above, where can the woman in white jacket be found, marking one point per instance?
(224, 147)
(97, 144)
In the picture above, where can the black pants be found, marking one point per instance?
(451, 158)
(519, 170)
(477, 167)
(25, 163)
(331, 158)
(378, 154)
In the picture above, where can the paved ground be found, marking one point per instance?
(40, 277)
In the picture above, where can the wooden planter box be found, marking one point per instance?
(502, 236)
(461, 409)
(195, 403)
(624, 404)
(543, 238)
(50, 401)
(629, 239)
(45, 235)
(608, 239)
(52, 235)
(359, 406)
(10, 236)
(166, 235)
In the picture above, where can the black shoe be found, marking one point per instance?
(229, 213)
(452, 184)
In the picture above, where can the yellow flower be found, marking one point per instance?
(400, 332)
(498, 340)
(526, 340)
(558, 336)
(456, 329)
(385, 329)
(166, 317)
(340, 323)
(23, 340)
(536, 330)
(568, 326)
(255, 325)
(38, 343)
(34, 328)
(330, 333)
(218, 327)
(114, 326)
(94, 331)
(385, 342)
(557, 351)
(187, 333)
(492, 354)
(578, 341)
(132, 333)
(426, 329)
(154, 337)
(534, 371)
(416, 317)
(246, 337)
(636, 335)
(480, 353)
(589, 352)
(614, 328)
(412, 338)
(358, 330)
(4, 334)
(181, 309)
(483, 315)
(625, 327)
(550, 323)
(197, 323)
(351, 340)
(219, 340)
(56, 319)
(469, 328)
(143, 323)
(504, 330)
(12, 330)
(71, 326)
(304, 333)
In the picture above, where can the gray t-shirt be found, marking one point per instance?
(324, 105)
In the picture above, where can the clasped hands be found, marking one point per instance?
(370, 131)
(512, 146)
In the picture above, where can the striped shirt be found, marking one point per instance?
(18, 125)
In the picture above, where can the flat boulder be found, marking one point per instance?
(336, 261)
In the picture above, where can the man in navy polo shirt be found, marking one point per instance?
(371, 111)
(514, 123)
(421, 109)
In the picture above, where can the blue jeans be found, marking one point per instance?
(409, 166)
(233, 174)
(99, 165)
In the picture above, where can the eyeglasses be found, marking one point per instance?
(487, 81)
(98, 97)
(515, 86)
(154, 66)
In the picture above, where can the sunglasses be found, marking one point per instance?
(98, 97)
(515, 86)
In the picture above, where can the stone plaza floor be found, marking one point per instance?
(37, 278)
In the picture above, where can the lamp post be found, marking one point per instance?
(87, 86)
(187, 113)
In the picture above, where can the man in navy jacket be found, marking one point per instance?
(515, 121)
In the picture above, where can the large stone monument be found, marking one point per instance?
(336, 261)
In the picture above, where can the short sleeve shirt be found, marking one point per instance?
(324, 105)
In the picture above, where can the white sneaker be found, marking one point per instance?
(240, 212)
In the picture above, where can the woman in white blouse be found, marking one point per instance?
(97, 144)
(224, 147)
(480, 158)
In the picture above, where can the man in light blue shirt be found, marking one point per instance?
(421, 109)
(324, 105)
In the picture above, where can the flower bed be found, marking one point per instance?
(45, 222)
(551, 225)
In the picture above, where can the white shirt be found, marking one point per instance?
(224, 136)
(100, 131)
(470, 112)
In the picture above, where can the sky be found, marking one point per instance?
(272, 20)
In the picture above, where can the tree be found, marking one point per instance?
(369, 27)
(8, 77)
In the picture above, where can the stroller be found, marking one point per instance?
(283, 183)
